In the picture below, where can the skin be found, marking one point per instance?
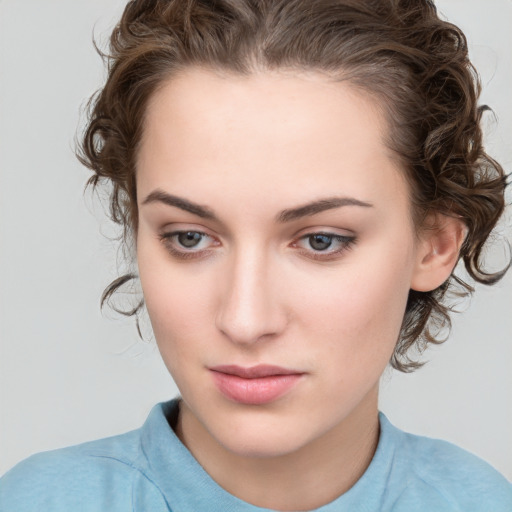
(254, 290)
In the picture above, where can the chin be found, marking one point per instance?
(261, 433)
(260, 444)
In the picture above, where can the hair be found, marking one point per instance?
(399, 52)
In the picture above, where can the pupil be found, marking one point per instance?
(320, 242)
(189, 239)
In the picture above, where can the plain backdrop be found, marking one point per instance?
(69, 374)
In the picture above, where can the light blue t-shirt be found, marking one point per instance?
(150, 470)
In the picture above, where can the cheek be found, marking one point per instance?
(180, 327)
(358, 309)
(176, 314)
(177, 302)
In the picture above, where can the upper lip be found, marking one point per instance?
(254, 372)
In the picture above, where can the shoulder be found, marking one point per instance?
(98, 475)
(448, 475)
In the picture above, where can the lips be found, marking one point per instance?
(256, 385)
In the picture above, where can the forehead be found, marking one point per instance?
(279, 130)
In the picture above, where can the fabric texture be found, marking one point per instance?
(150, 470)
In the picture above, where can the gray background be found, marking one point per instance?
(69, 374)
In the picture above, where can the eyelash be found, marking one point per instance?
(345, 243)
(169, 240)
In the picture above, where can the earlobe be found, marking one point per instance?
(438, 252)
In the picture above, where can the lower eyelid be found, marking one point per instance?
(346, 243)
(168, 239)
(332, 255)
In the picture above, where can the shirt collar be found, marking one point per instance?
(186, 486)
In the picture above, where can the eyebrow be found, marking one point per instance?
(159, 196)
(319, 206)
(306, 210)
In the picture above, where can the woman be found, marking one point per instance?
(299, 180)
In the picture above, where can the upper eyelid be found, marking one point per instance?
(175, 233)
(319, 230)
(200, 228)
(180, 227)
(325, 232)
(168, 232)
(334, 236)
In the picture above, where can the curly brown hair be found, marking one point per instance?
(398, 51)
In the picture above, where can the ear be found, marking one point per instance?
(438, 251)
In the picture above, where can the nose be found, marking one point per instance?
(250, 307)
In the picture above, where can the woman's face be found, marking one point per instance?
(276, 252)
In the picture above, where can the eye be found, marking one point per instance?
(320, 242)
(187, 244)
(324, 245)
(189, 239)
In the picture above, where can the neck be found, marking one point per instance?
(299, 480)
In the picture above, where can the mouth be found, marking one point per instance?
(256, 385)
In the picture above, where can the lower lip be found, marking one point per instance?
(255, 391)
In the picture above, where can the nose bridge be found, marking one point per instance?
(249, 306)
